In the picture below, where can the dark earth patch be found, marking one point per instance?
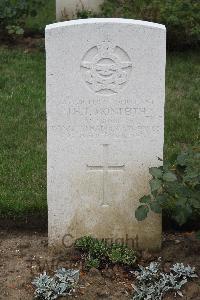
(25, 254)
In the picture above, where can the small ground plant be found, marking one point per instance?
(13, 14)
(176, 189)
(152, 283)
(61, 284)
(99, 252)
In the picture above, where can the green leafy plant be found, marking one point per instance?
(121, 254)
(61, 284)
(94, 247)
(13, 14)
(99, 252)
(13, 29)
(92, 262)
(85, 14)
(155, 284)
(182, 18)
(175, 189)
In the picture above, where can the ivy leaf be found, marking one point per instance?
(156, 172)
(172, 188)
(141, 212)
(182, 159)
(155, 207)
(145, 199)
(161, 199)
(169, 176)
(192, 177)
(166, 166)
(183, 191)
(195, 203)
(182, 214)
(155, 184)
(181, 202)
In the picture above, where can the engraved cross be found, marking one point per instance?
(105, 168)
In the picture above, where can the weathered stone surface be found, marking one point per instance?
(67, 9)
(105, 114)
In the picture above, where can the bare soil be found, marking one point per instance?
(25, 254)
(24, 43)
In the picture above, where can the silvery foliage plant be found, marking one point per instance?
(154, 284)
(61, 284)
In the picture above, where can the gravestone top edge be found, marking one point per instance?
(105, 21)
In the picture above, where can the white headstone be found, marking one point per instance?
(105, 113)
(67, 9)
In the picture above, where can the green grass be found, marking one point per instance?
(23, 125)
(23, 133)
(182, 111)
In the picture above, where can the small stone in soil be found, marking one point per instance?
(103, 293)
(94, 272)
(24, 245)
(108, 273)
